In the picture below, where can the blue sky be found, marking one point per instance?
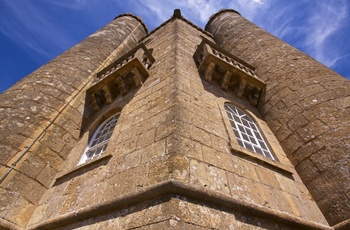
(32, 32)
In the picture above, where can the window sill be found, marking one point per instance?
(261, 160)
(80, 169)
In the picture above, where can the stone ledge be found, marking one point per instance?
(77, 170)
(263, 161)
(4, 224)
(343, 225)
(176, 188)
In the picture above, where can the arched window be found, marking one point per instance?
(246, 131)
(99, 141)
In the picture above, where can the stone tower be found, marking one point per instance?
(178, 128)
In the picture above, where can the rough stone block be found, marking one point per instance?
(208, 177)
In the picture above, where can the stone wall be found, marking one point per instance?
(305, 104)
(171, 144)
(41, 116)
(179, 213)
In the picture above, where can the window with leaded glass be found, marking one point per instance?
(246, 131)
(100, 139)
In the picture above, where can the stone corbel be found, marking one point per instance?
(231, 73)
(256, 95)
(208, 73)
(121, 85)
(225, 81)
(241, 88)
(138, 78)
(127, 72)
(107, 94)
(94, 103)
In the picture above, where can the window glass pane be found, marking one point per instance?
(236, 133)
(246, 117)
(245, 137)
(89, 154)
(99, 150)
(253, 126)
(240, 142)
(245, 123)
(247, 130)
(94, 142)
(109, 135)
(240, 112)
(237, 119)
(258, 150)
(266, 153)
(252, 140)
(241, 128)
(257, 135)
(233, 124)
(262, 144)
(248, 146)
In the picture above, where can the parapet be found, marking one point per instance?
(136, 17)
(212, 17)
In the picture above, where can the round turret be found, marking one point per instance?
(305, 104)
(41, 116)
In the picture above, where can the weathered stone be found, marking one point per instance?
(172, 160)
(208, 177)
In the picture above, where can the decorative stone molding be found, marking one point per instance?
(125, 73)
(216, 64)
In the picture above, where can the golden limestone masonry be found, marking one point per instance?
(177, 128)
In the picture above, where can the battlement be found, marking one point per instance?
(229, 71)
(127, 72)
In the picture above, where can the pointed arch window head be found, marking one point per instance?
(247, 132)
(100, 139)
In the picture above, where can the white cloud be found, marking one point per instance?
(197, 11)
(323, 23)
(259, 1)
(31, 28)
(202, 9)
(250, 8)
(73, 4)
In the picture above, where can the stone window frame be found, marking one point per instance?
(74, 168)
(252, 138)
(103, 130)
(282, 164)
